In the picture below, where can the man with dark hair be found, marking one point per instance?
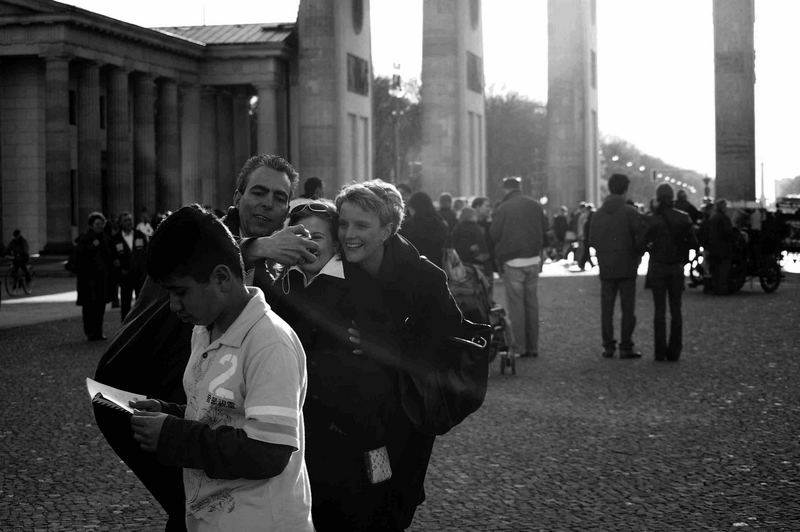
(313, 188)
(683, 204)
(518, 231)
(446, 210)
(721, 240)
(130, 253)
(617, 232)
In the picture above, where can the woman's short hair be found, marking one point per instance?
(375, 196)
(96, 216)
(466, 214)
(191, 242)
(322, 209)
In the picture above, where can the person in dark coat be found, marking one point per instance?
(683, 204)
(403, 309)
(425, 229)
(93, 256)
(469, 240)
(446, 210)
(130, 255)
(721, 241)
(617, 232)
(670, 237)
(351, 399)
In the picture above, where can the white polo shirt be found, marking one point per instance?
(254, 378)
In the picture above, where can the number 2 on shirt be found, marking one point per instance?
(215, 386)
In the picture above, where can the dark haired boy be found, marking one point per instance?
(240, 436)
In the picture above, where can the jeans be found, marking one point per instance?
(666, 280)
(523, 307)
(608, 297)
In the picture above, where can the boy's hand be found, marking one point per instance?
(146, 405)
(147, 428)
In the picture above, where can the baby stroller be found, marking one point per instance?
(471, 292)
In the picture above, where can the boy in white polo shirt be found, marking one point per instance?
(240, 438)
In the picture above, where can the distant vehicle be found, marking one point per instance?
(789, 209)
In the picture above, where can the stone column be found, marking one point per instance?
(225, 173)
(208, 146)
(169, 149)
(119, 186)
(268, 118)
(241, 126)
(144, 145)
(59, 215)
(190, 144)
(90, 187)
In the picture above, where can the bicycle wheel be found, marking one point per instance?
(26, 285)
(770, 277)
(13, 287)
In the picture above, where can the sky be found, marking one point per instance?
(655, 64)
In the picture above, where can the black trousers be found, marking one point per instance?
(720, 275)
(609, 288)
(128, 286)
(666, 282)
(93, 319)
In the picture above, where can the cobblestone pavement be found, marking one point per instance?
(572, 442)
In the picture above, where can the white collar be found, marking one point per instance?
(333, 268)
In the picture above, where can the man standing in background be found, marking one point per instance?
(518, 233)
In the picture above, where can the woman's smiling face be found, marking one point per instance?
(361, 236)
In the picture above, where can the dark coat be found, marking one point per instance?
(132, 262)
(721, 236)
(428, 234)
(402, 314)
(93, 257)
(617, 232)
(466, 235)
(518, 228)
(669, 235)
(449, 217)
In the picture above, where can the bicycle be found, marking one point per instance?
(15, 281)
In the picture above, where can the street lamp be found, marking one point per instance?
(396, 92)
(706, 190)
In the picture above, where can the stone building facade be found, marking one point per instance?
(100, 115)
(453, 106)
(572, 121)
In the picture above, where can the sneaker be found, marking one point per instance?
(608, 353)
(629, 354)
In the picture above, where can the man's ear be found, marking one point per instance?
(237, 196)
(222, 276)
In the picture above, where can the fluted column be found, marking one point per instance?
(268, 132)
(59, 215)
(208, 146)
(144, 146)
(90, 188)
(241, 126)
(225, 172)
(190, 144)
(169, 150)
(119, 184)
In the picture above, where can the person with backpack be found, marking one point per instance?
(670, 237)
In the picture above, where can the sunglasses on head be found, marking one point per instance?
(319, 208)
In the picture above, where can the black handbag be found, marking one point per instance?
(453, 385)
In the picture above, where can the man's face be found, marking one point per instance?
(193, 302)
(127, 223)
(484, 210)
(264, 203)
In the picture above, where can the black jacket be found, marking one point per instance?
(669, 236)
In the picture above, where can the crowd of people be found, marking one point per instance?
(310, 320)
